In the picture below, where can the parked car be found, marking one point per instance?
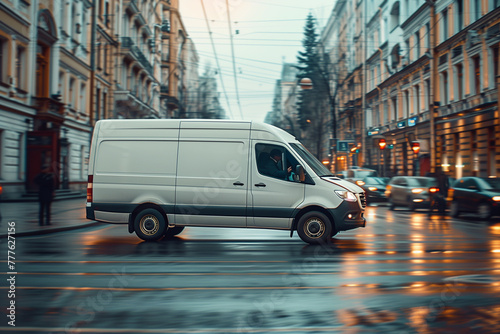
(374, 188)
(410, 191)
(476, 194)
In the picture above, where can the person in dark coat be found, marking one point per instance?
(272, 166)
(46, 185)
(438, 200)
(443, 185)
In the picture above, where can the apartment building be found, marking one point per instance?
(66, 64)
(431, 70)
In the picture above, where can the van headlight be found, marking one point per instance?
(346, 195)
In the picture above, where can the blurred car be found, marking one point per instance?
(410, 191)
(476, 194)
(358, 174)
(374, 188)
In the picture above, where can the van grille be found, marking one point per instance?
(362, 199)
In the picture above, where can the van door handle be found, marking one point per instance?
(238, 183)
(260, 184)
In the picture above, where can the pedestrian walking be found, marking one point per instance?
(46, 185)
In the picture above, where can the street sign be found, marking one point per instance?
(344, 145)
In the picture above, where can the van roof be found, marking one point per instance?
(181, 123)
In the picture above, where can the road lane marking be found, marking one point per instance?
(173, 331)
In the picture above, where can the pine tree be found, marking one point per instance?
(311, 111)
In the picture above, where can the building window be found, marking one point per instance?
(83, 95)
(428, 93)
(104, 105)
(98, 104)
(394, 23)
(98, 55)
(73, 21)
(417, 45)
(428, 36)
(394, 105)
(105, 60)
(20, 68)
(444, 88)
(417, 100)
(459, 15)
(71, 93)
(476, 74)
(3, 60)
(494, 65)
(406, 104)
(106, 14)
(459, 82)
(475, 14)
(444, 25)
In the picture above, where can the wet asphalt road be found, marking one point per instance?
(403, 273)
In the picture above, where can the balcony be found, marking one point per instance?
(49, 107)
(131, 105)
(131, 6)
(128, 44)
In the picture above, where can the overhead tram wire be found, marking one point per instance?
(234, 61)
(216, 59)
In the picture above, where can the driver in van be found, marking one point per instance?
(272, 166)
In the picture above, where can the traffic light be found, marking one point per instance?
(382, 144)
(415, 146)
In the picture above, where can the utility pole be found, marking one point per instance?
(93, 33)
(432, 83)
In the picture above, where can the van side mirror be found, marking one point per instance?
(299, 171)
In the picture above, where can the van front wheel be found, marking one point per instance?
(314, 228)
(149, 225)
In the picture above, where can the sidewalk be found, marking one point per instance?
(66, 215)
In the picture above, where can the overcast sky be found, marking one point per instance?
(265, 34)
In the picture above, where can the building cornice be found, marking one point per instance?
(480, 24)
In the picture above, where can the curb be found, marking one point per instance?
(51, 230)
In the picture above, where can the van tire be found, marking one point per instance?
(314, 228)
(149, 225)
(173, 231)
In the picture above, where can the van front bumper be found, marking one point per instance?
(347, 216)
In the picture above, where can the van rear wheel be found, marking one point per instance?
(314, 228)
(149, 225)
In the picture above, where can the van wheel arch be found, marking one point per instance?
(309, 209)
(139, 208)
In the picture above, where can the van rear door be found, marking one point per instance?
(212, 174)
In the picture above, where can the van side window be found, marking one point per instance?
(274, 160)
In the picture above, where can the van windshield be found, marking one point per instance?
(311, 160)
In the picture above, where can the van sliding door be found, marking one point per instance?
(212, 177)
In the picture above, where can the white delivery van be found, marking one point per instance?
(158, 176)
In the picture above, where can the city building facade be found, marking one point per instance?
(431, 89)
(66, 64)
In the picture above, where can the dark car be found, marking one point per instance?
(374, 188)
(476, 194)
(410, 191)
